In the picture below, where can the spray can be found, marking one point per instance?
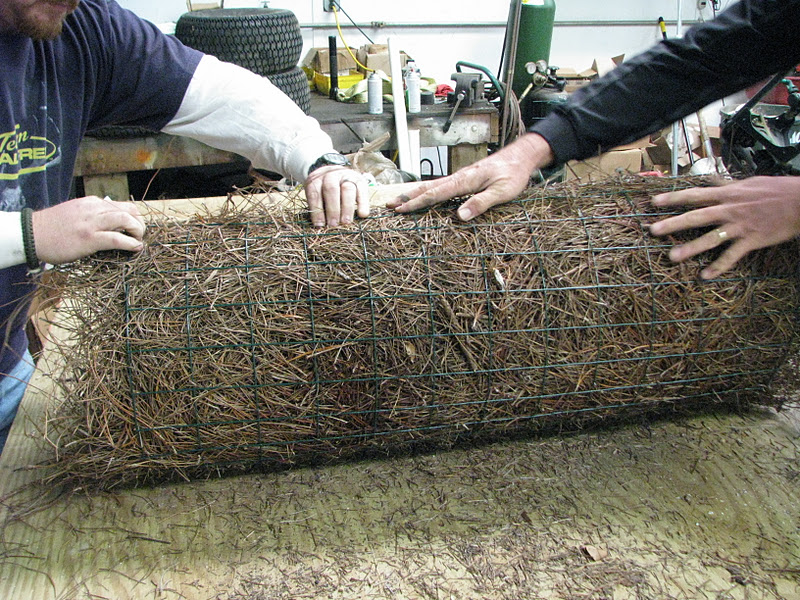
(375, 94)
(413, 91)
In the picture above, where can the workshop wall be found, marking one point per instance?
(471, 30)
(439, 34)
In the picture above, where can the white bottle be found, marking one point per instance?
(413, 90)
(375, 94)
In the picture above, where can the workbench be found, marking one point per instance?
(103, 163)
(693, 508)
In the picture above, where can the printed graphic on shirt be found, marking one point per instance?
(22, 152)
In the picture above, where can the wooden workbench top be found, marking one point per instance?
(706, 507)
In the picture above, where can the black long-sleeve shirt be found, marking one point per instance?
(750, 41)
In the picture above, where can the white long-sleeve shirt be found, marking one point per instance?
(227, 107)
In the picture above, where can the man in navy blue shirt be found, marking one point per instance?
(752, 40)
(71, 65)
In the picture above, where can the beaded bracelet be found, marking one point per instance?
(34, 265)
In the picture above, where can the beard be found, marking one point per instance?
(48, 22)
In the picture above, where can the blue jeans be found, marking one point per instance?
(12, 388)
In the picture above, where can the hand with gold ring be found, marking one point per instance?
(335, 195)
(748, 214)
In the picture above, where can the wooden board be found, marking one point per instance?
(706, 507)
(185, 207)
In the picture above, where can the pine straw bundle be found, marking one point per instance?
(249, 340)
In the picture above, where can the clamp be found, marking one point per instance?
(469, 88)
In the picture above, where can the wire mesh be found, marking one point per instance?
(249, 340)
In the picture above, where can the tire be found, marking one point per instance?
(294, 84)
(263, 40)
(266, 41)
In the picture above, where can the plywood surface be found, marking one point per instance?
(706, 507)
(184, 207)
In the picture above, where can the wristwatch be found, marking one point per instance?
(331, 158)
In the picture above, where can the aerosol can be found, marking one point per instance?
(375, 94)
(413, 89)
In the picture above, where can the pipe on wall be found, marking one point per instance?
(480, 24)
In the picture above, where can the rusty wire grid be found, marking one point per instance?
(250, 340)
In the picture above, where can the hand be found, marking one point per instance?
(498, 178)
(333, 195)
(83, 226)
(750, 214)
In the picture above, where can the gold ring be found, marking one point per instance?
(723, 235)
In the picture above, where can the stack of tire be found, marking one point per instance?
(267, 41)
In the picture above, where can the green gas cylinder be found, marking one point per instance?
(533, 42)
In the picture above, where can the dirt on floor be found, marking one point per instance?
(702, 507)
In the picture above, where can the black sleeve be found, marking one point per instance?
(750, 41)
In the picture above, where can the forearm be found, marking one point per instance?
(746, 44)
(233, 109)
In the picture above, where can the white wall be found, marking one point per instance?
(473, 30)
(584, 29)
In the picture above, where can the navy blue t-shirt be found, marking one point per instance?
(107, 67)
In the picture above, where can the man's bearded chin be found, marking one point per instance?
(45, 29)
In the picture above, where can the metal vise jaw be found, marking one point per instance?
(469, 88)
(468, 84)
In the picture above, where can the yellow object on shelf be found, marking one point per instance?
(322, 81)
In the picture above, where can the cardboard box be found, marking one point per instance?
(660, 150)
(601, 66)
(630, 158)
(317, 60)
(575, 80)
(376, 57)
(605, 165)
(640, 143)
(322, 81)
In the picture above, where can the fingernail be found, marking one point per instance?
(399, 201)
(464, 213)
(675, 254)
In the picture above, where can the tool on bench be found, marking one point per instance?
(469, 88)
(333, 66)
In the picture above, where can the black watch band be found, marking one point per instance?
(329, 159)
(32, 260)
